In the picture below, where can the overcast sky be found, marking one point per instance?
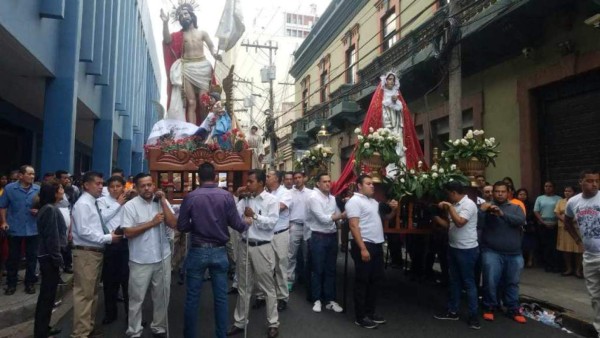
(209, 14)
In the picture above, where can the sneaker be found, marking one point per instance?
(489, 316)
(10, 290)
(317, 306)
(446, 316)
(474, 323)
(333, 306)
(366, 323)
(377, 319)
(519, 318)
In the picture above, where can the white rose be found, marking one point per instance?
(357, 131)
(492, 139)
(370, 136)
(453, 167)
(442, 170)
(376, 134)
(306, 153)
(420, 164)
(412, 171)
(434, 168)
(456, 142)
(488, 143)
(434, 175)
(478, 132)
(319, 146)
(370, 129)
(325, 154)
(450, 180)
(367, 145)
(313, 158)
(401, 173)
(402, 180)
(464, 142)
(469, 135)
(360, 137)
(443, 153)
(425, 176)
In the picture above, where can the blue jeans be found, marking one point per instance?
(461, 273)
(323, 253)
(197, 261)
(500, 270)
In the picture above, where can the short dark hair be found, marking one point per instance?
(587, 171)
(361, 178)
(49, 174)
(522, 190)
(259, 174)
(115, 179)
(455, 186)
(507, 178)
(58, 174)
(572, 187)
(478, 176)
(48, 192)
(139, 176)
(254, 127)
(90, 176)
(206, 172)
(289, 173)
(23, 168)
(319, 175)
(279, 175)
(499, 184)
(117, 170)
(548, 181)
(299, 173)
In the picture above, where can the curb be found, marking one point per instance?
(570, 320)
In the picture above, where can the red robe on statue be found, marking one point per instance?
(373, 119)
(171, 53)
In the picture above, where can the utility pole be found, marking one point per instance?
(455, 82)
(271, 76)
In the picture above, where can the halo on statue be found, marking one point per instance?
(181, 4)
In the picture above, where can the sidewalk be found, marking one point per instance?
(19, 308)
(565, 294)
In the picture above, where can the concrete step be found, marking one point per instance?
(20, 307)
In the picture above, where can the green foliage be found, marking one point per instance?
(382, 141)
(419, 183)
(472, 145)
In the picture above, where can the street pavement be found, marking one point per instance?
(407, 305)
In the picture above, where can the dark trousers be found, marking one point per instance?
(367, 276)
(67, 255)
(323, 252)
(549, 252)
(115, 274)
(438, 247)
(14, 256)
(43, 310)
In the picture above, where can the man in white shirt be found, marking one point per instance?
(367, 250)
(90, 235)
(256, 256)
(461, 221)
(584, 210)
(144, 220)
(281, 236)
(323, 247)
(298, 237)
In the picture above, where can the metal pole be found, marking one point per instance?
(455, 84)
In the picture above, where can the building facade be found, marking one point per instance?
(77, 85)
(530, 73)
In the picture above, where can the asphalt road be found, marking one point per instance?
(408, 307)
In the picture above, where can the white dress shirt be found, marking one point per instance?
(298, 212)
(112, 212)
(321, 208)
(367, 211)
(87, 227)
(145, 248)
(266, 208)
(284, 197)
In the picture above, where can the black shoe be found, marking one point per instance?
(61, 281)
(474, 323)
(366, 323)
(377, 319)
(272, 332)
(281, 305)
(258, 304)
(10, 290)
(234, 330)
(53, 331)
(68, 270)
(159, 335)
(446, 316)
(232, 291)
(30, 289)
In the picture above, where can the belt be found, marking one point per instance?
(255, 243)
(207, 245)
(323, 233)
(89, 248)
(280, 231)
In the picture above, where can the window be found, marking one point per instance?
(351, 65)
(304, 101)
(288, 18)
(389, 34)
(324, 86)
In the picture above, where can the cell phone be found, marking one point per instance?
(119, 231)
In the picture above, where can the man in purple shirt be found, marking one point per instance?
(206, 213)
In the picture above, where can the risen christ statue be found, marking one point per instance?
(189, 71)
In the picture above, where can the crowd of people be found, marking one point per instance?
(272, 232)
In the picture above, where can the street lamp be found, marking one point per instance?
(323, 136)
